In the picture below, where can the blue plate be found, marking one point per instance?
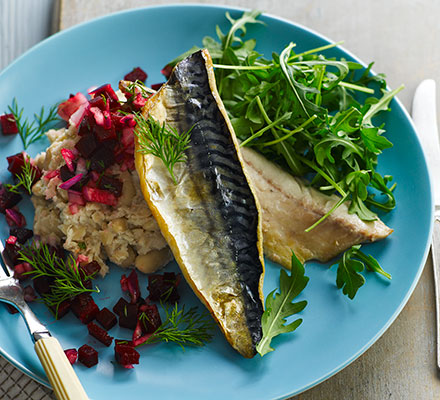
(335, 330)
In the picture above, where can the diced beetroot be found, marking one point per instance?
(76, 198)
(149, 318)
(69, 158)
(42, 284)
(164, 287)
(139, 101)
(71, 105)
(157, 86)
(108, 92)
(128, 316)
(72, 355)
(11, 309)
(126, 355)
(85, 128)
(102, 159)
(71, 182)
(21, 269)
(52, 174)
(15, 218)
(8, 124)
(90, 270)
(77, 117)
(82, 260)
(128, 121)
(99, 333)
(131, 284)
(22, 234)
(166, 71)
(87, 355)
(81, 166)
(104, 134)
(110, 184)
(66, 173)
(99, 196)
(118, 308)
(84, 307)
(138, 74)
(11, 250)
(100, 102)
(127, 140)
(8, 199)
(98, 115)
(16, 164)
(106, 318)
(63, 309)
(29, 294)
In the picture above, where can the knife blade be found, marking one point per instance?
(425, 119)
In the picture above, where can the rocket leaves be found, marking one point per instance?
(350, 266)
(279, 306)
(329, 133)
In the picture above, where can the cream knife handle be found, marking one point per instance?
(435, 250)
(62, 377)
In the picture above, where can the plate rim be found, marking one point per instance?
(25, 370)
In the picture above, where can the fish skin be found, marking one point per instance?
(289, 206)
(211, 219)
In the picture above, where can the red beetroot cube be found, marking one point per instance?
(164, 287)
(89, 270)
(42, 284)
(84, 307)
(119, 306)
(166, 71)
(99, 196)
(86, 145)
(126, 355)
(149, 318)
(8, 199)
(8, 124)
(99, 333)
(11, 250)
(15, 218)
(87, 355)
(157, 86)
(110, 184)
(16, 164)
(129, 316)
(21, 269)
(72, 355)
(106, 318)
(138, 74)
(102, 159)
(62, 310)
(22, 234)
(131, 284)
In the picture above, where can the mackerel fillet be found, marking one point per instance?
(210, 218)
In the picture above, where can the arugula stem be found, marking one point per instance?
(262, 130)
(315, 50)
(243, 67)
(287, 154)
(327, 214)
(296, 130)
(356, 87)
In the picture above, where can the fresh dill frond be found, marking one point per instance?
(183, 328)
(144, 90)
(163, 141)
(31, 131)
(67, 277)
(25, 179)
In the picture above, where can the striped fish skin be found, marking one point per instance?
(211, 217)
(289, 206)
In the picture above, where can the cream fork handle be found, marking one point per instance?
(62, 377)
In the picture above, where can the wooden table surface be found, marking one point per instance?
(402, 36)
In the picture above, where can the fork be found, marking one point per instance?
(62, 377)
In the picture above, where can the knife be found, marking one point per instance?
(424, 116)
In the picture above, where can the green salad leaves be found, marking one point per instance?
(316, 116)
(279, 306)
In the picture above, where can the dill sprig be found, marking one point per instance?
(25, 179)
(183, 327)
(31, 131)
(144, 90)
(162, 141)
(68, 280)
